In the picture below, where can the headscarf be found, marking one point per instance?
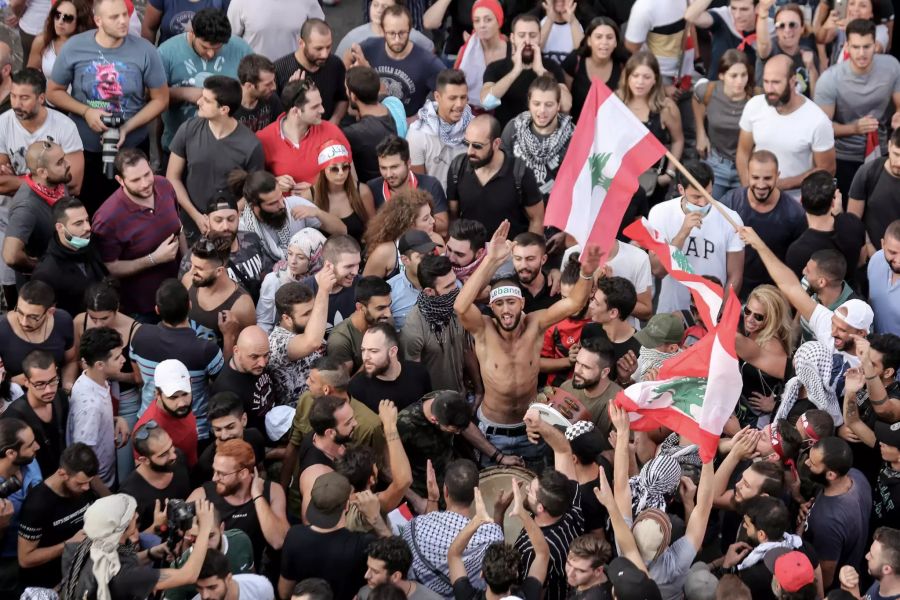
(332, 152)
(648, 539)
(659, 477)
(450, 134)
(310, 242)
(813, 363)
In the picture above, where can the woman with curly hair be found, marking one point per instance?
(408, 209)
(337, 192)
(66, 18)
(763, 345)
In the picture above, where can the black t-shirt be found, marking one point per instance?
(602, 591)
(146, 495)
(412, 383)
(515, 100)
(848, 238)
(759, 578)
(530, 589)
(339, 557)
(50, 436)
(203, 470)
(254, 391)
(50, 519)
(364, 135)
(424, 182)
(329, 79)
(575, 67)
(595, 515)
(620, 349)
(340, 305)
(262, 115)
(14, 349)
(507, 200)
(879, 191)
(132, 582)
(241, 516)
(541, 300)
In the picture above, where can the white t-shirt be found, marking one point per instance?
(706, 248)
(426, 148)
(271, 27)
(647, 15)
(633, 264)
(792, 138)
(252, 587)
(559, 40)
(91, 422)
(820, 324)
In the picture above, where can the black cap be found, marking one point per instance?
(417, 241)
(629, 582)
(888, 435)
(590, 444)
(221, 199)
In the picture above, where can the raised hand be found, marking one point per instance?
(431, 484)
(500, 247)
(387, 412)
(590, 260)
(481, 512)
(604, 493)
(620, 420)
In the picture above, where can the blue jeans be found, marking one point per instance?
(516, 444)
(129, 405)
(724, 172)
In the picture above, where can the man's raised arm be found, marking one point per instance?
(498, 252)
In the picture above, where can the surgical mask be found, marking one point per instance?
(693, 208)
(491, 102)
(77, 242)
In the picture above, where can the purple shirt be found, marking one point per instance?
(125, 231)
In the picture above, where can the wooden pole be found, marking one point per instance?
(715, 203)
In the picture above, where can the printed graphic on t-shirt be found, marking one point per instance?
(104, 83)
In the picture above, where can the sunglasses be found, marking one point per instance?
(61, 16)
(338, 168)
(144, 430)
(749, 313)
(476, 145)
(788, 25)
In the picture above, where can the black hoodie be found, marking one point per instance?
(70, 272)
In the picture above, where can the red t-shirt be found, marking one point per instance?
(557, 341)
(182, 431)
(284, 158)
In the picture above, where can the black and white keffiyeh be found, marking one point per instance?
(813, 363)
(450, 134)
(541, 154)
(659, 477)
(437, 310)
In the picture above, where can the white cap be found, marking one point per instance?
(171, 376)
(856, 313)
(278, 421)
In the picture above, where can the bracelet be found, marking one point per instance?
(258, 497)
(588, 277)
(495, 455)
(434, 501)
(150, 258)
(872, 377)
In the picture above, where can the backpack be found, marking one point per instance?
(460, 163)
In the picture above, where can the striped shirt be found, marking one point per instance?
(559, 536)
(125, 231)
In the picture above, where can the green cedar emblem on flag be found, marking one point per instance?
(598, 163)
(687, 394)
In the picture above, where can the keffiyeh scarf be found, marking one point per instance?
(463, 273)
(541, 154)
(789, 541)
(812, 367)
(437, 311)
(450, 134)
(274, 247)
(658, 478)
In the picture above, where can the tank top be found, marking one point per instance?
(206, 322)
(241, 516)
(355, 226)
(397, 263)
(48, 59)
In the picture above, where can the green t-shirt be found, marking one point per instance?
(237, 548)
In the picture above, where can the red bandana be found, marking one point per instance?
(747, 40)
(50, 195)
(386, 189)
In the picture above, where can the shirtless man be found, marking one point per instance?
(508, 344)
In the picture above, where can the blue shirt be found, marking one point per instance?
(403, 297)
(177, 14)
(884, 296)
(185, 68)
(31, 476)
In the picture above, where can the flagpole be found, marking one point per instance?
(716, 204)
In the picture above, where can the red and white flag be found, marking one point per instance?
(609, 150)
(697, 389)
(873, 146)
(707, 295)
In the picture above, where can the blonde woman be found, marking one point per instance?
(763, 346)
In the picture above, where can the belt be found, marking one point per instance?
(511, 431)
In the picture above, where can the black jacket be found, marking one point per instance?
(70, 272)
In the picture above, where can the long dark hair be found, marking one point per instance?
(733, 57)
(83, 19)
(619, 55)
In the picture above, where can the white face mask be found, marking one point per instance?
(693, 208)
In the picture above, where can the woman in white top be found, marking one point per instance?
(66, 18)
(485, 46)
(561, 32)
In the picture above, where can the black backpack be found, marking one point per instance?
(460, 165)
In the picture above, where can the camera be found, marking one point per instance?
(109, 142)
(10, 487)
(179, 518)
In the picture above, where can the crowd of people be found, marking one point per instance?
(284, 319)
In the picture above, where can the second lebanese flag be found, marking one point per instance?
(608, 152)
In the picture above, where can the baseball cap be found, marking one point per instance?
(278, 422)
(629, 582)
(221, 199)
(700, 583)
(171, 376)
(856, 313)
(417, 241)
(888, 434)
(792, 569)
(328, 499)
(589, 444)
(664, 328)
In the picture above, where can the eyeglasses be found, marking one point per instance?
(61, 16)
(476, 145)
(788, 25)
(32, 318)
(399, 35)
(338, 168)
(144, 430)
(749, 313)
(43, 385)
(221, 475)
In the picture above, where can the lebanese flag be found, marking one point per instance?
(707, 295)
(697, 389)
(599, 174)
(873, 146)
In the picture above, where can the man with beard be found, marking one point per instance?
(243, 499)
(540, 135)
(884, 272)
(216, 582)
(882, 563)
(30, 227)
(408, 71)
(590, 384)
(374, 123)
(342, 252)
(507, 345)
(873, 193)
(436, 136)
(231, 308)
(383, 375)
(837, 525)
(333, 422)
(245, 375)
(466, 247)
(433, 334)
(397, 174)
(824, 277)
(373, 305)
(30, 121)
(760, 206)
(529, 255)
(247, 261)
(228, 421)
(780, 108)
(260, 105)
(490, 185)
(139, 234)
(297, 340)
(159, 474)
(833, 328)
(16, 462)
(171, 408)
(314, 61)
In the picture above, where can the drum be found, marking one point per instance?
(494, 480)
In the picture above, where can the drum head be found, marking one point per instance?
(494, 480)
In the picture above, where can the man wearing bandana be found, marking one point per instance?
(507, 344)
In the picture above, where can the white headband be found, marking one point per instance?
(505, 291)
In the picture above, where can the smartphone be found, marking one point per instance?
(840, 9)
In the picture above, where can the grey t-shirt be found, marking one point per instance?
(670, 570)
(723, 116)
(110, 79)
(209, 160)
(30, 220)
(857, 95)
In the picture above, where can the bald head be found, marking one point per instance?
(42, 154)
(486, 125)
(781, 65)
(778, 81)
(251, 352)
